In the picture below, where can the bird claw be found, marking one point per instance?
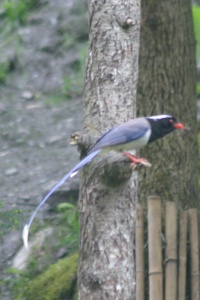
(137, 161)
(144, 162)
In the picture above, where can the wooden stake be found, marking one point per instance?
(182, 255)
(154, 250)
(171, 251)
(139, 240)
(194, 253)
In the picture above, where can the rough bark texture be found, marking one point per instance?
(167, 85)
(112, 61)
(107, 199)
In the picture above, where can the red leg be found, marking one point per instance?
(136, 160)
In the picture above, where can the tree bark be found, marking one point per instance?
(167, 85)
(108, 196)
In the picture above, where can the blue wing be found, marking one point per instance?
(122, 134)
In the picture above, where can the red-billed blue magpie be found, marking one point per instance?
(130, 135)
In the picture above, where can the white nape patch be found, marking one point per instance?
(158, 117)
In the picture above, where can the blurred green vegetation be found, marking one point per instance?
(42, 266)
(70, 218)
(73, 34)
(73, 84)
(9, 220)
(3, 71)
(58, 282)
(196, 19)
(13, 13)
(198, 88)
(16, 11)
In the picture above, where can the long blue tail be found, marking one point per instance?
(72, 173)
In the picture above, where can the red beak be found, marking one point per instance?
(179, 126)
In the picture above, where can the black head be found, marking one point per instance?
(162, 125)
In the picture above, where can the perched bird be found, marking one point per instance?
(130, 135)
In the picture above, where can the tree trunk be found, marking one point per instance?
(108, 196)
(167, 85)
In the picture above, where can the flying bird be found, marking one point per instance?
(131, 135)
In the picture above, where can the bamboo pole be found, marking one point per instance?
(194, 253)
(171, 251)
(155, 250)
(198, 216)
(182, 255)
(139, 240)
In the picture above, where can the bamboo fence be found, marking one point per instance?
(173, 252)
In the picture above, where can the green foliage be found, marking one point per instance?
(3, 72)
(58, 282)
(10, 44)
(77, 28)
(16, 11)
(199, 155)
(196, 19)
(198, 88)
(21, 282)
(53, 100)
(9, 220)
(71, 219)
(73, 84)
(68, 40)
(17, 281)
(78, 9)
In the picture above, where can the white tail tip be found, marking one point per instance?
(73, 174)
(25, 236)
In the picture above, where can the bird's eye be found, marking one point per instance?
(171, 121)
